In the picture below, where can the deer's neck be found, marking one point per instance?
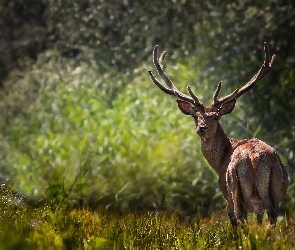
(217, 148)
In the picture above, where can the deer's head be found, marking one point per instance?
(207, 117)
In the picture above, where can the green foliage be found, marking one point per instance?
(135, 151)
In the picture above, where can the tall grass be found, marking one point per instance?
(46, 227)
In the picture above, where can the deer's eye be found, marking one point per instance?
(216, 117)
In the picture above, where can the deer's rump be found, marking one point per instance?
(256, 176)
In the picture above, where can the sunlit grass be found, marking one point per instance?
(62, 227)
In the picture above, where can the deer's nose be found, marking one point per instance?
(201, 128)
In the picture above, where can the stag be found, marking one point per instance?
(252, 177)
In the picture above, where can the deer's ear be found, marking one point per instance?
(226, 107)
(185, 107)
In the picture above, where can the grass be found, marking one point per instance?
(62, 227)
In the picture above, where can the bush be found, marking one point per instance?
(135, 151)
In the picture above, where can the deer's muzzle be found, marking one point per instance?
(201, 129)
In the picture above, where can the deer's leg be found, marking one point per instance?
(264, 187)
(278, 186)
(243, 189)
(236, 210)
(271, 209)
(231, 213)
(239, 210)
(259, 218)
(230, 205)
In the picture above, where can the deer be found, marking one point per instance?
(252, 177)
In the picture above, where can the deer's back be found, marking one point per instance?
(253, 155)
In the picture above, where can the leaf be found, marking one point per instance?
(257, 130)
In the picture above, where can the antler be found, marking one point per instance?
(264, 70)
(171, 90)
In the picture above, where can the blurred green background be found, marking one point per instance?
(81, 121)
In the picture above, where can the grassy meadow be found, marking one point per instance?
(108, 162)
(24, 227)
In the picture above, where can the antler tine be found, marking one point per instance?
(171, 90)
(161, 59)
(216, 93)
(264, 70)
(217, 102)
(196, 99)
(159, 67)
(163, 88)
